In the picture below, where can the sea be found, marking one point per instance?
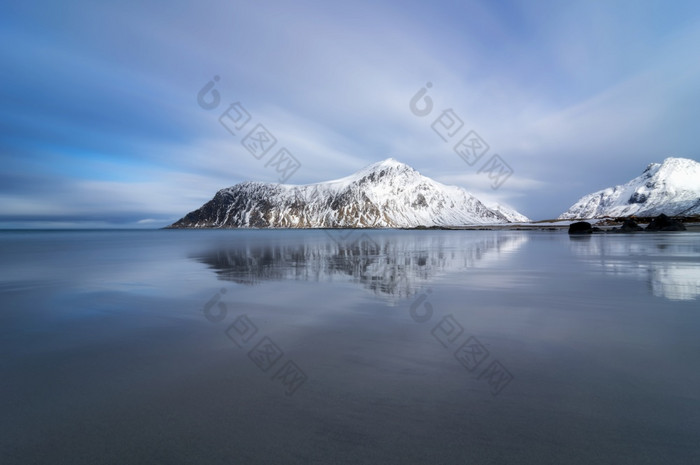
(349, 347)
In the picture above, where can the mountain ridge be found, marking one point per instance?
(671, 187)
(386, 194)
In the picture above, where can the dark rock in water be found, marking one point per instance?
(676, 226)
(630, 226)
(597, 229)
(664, 223)
(581, 227)
(659, 222)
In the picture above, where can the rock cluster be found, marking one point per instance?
(660, 223)
(664, 223)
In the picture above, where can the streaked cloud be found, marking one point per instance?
(100, 123)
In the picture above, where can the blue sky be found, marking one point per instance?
(100, 124)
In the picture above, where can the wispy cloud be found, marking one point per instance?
(100, 123)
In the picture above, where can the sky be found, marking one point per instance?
(107, 121)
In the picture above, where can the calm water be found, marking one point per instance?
(483, 347)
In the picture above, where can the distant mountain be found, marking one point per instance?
(510, 214)
(386, 194)
(672, 187)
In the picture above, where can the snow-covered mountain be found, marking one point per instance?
(385, 194)
(672, 187)
(511, 215)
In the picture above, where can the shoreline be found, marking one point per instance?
(536, 226)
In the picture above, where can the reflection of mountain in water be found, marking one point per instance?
(671, 264)
(389, 264)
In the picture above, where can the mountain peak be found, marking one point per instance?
(678, 161)
(390, 164)
(671, 187)
(387, 194)
(681, 170)
(670, 163)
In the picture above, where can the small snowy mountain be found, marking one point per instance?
(386, 194)
(511, 215)
(672, 188)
